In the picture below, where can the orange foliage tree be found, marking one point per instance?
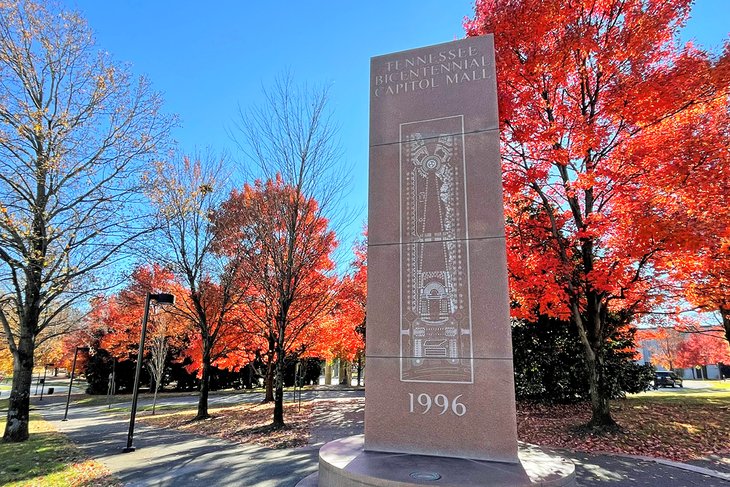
(690, 176)
(347, 340)
(284, 245)
(700, 350)
(114, 322)
(290, 144)
(6, 363)
(120, 316)
(590, 94)
(701, 267)
(49, 351)
(664, 343)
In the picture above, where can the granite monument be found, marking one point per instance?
(439, 356)
(439, 402)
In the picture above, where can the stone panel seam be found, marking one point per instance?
(461, 358)
(455, 134)
(411, 242)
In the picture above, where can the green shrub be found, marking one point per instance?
(550, 367)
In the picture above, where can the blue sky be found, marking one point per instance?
(209, 58)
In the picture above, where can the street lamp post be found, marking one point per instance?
(70, 384)
(161, 298)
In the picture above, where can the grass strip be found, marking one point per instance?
(49, 458)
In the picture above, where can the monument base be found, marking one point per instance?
(344, 463)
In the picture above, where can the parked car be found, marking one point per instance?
(666, 379)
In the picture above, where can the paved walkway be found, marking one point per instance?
(168, 457)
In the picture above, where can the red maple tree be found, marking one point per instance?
(589, 94)
(284, 246)
(343, 337)
(663, 342)
(701, 349)
(120, 315)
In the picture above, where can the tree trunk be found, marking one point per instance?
(725, 314)
(154, 399)
(279, 395)
(328, 372)
(269, 382)
(344, 379)
(204, 388)
(16, 426)
(600, 407)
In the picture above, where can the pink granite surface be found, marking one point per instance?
(474, 423)
(343, 463)
(438, 309)
(489, 313)
(435, 81)
(482, 213)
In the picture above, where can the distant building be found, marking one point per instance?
(646, 347)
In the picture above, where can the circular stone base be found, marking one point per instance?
(344, 463)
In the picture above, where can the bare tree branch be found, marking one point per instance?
(76, 132)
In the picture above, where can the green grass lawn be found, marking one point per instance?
(715, 393)
(48, 458)
(717, 385)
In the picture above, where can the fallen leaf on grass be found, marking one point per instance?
(677, 432)
(247, 423)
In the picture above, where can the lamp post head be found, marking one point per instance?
(163, 298)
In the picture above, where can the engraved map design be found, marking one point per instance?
(435, 297)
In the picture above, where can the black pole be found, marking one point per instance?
(297, 383)
(359, 369)
(70, 384)
(43, 384)
(135, 393)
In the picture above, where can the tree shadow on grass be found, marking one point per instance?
(42, 454)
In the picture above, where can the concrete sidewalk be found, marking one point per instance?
(168, 457)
